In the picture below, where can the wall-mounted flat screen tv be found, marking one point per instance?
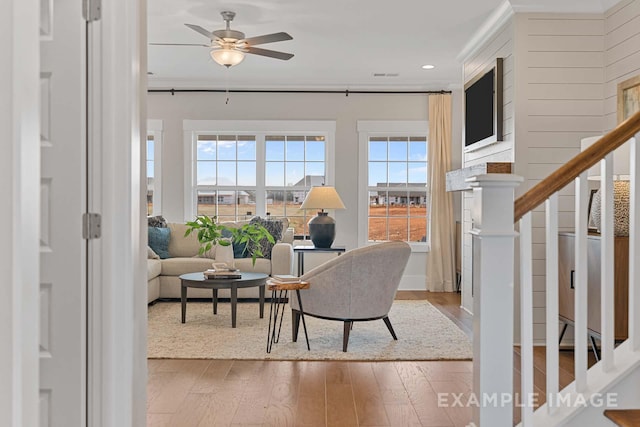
(483, 107)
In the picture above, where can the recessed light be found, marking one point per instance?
(428, 67)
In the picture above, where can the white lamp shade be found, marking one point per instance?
(227, 57)
(322, 198)
(620, 160)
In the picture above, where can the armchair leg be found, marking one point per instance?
(389, 327)
(295, 324)
(345, 338)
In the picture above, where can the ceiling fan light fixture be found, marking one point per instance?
(227, 57)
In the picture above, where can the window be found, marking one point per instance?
(150, 173)
(153, 159)
(225, 175)
(293, 164)
(393, 177)
(238, 169)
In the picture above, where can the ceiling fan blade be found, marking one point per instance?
(269, 53)
(179, 44)
(267, 38)
(199, 29)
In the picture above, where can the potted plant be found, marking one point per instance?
(210, 233)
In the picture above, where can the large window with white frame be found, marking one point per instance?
(393, 182)
(237, 169)
(154, 165)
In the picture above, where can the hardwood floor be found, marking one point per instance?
(311, 393)
(300, 393)
(292, 393)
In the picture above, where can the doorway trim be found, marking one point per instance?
(20, 186)
(117, 264)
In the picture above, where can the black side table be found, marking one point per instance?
(301, 250)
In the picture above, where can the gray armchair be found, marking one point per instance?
(357, 286)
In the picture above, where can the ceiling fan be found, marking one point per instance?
(229, 46)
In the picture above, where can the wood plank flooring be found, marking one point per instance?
(311, 393)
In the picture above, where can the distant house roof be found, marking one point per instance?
(312, 180)
(401, 193)
(222, 193)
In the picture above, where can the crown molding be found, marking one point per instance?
(488, 28)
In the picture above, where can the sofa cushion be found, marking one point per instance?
(154, 268)
(245, 264)
(151, 253)
(180, 246)
(178, 266)
(159, 240)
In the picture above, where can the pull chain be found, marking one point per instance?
(227, 85)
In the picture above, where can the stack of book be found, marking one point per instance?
(222, 274)
(278, 279)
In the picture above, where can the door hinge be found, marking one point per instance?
(91, 226)
(91, 10)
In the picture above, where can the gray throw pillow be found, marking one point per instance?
(156, 221)
(274, 227)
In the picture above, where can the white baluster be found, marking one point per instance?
(526, 319)
(493, 275)
(606, 266)
(552, 363)
(580, 350)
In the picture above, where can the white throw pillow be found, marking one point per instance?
(151, 254)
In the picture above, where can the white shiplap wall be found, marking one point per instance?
(622, 56)
(500, 45)
(560, 78)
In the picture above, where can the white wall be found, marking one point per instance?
(559, 82)
(563, 72)
(500, 45)
(346, 111)
(622, 55)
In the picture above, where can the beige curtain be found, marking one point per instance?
(441, 257)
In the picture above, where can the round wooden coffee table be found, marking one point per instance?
(197, 280)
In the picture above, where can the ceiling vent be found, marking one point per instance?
(386, 74)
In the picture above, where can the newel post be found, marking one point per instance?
(493, 304)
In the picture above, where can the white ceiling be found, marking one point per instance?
(338, 44)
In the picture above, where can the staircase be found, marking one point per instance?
(624, 417)
(608, 387)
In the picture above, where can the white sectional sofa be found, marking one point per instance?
(163, 274)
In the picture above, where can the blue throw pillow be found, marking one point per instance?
(239, 250)
(159, 241)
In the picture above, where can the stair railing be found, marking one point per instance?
(494, 213)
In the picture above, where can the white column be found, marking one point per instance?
(19, 212)
(118, 366)
(493, 278)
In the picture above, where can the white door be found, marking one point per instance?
(63, 255)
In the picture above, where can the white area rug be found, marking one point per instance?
(424, 333)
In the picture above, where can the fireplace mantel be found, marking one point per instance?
(456, 179)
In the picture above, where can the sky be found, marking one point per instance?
(394, 160)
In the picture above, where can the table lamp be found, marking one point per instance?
(322, 228)
(621, 175)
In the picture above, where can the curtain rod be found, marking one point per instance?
(346, 92)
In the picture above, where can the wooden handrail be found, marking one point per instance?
(574, 167)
